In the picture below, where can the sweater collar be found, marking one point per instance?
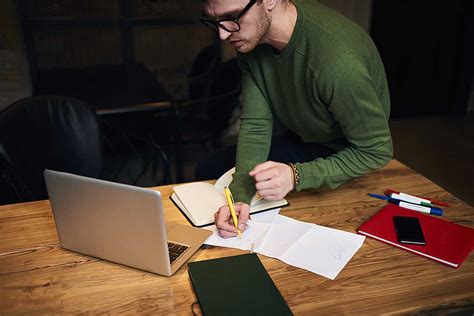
(289, 49)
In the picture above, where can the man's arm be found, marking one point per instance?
(355, 100)
(252, 148)
(254, 137)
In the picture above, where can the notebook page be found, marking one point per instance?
(202, 200)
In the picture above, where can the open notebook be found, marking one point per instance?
(198, 201)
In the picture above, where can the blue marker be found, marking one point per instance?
(420, 208)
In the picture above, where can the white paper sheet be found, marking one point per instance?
(322, 250)
(258, 226)
(283, 234)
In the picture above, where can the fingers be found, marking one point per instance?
(270, 188)
(268, 175)
(273, 180)
(225, 224)
(262, 167)
(273, 194)
(243, 213)
(226, 234)
(266, 171)
(269, 184)
(274, 197)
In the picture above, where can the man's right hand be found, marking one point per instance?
(224, 222)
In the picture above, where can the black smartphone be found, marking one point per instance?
(409, 230)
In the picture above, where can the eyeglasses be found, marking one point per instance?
(229, 24)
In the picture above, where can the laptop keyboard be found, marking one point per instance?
(175, 250)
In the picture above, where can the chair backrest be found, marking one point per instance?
(53, 132)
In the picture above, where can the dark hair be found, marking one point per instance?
(286, 1)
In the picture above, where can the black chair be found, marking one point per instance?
(123, 88)
(64, 134)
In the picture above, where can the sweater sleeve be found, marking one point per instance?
(355, 102)
(254, 139)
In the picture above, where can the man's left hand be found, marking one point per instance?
(273, 179)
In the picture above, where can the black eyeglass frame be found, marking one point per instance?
(218, 24)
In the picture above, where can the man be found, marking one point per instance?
(316, 74)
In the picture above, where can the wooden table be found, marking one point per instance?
(37, 276)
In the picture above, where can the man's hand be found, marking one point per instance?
(273, 179)
(224, 222)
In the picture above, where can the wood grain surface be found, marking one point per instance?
(37, 276)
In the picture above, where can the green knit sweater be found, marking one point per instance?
(327, 86)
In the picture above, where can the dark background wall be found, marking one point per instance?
(14, 69)
(162, 34)
(426, 46)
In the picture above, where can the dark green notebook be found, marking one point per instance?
(237, 285)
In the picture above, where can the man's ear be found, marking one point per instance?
(270, 4)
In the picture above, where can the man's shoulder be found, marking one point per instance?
(326, 29)
(322, 18)
(329, 39)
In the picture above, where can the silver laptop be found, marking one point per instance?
(119, 223)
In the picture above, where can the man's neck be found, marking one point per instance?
(283, 23)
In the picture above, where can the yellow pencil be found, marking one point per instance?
(230, 202)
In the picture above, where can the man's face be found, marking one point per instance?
(254, 24)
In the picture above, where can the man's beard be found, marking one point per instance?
(261, 31)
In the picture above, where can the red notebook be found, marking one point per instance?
(446, 242)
